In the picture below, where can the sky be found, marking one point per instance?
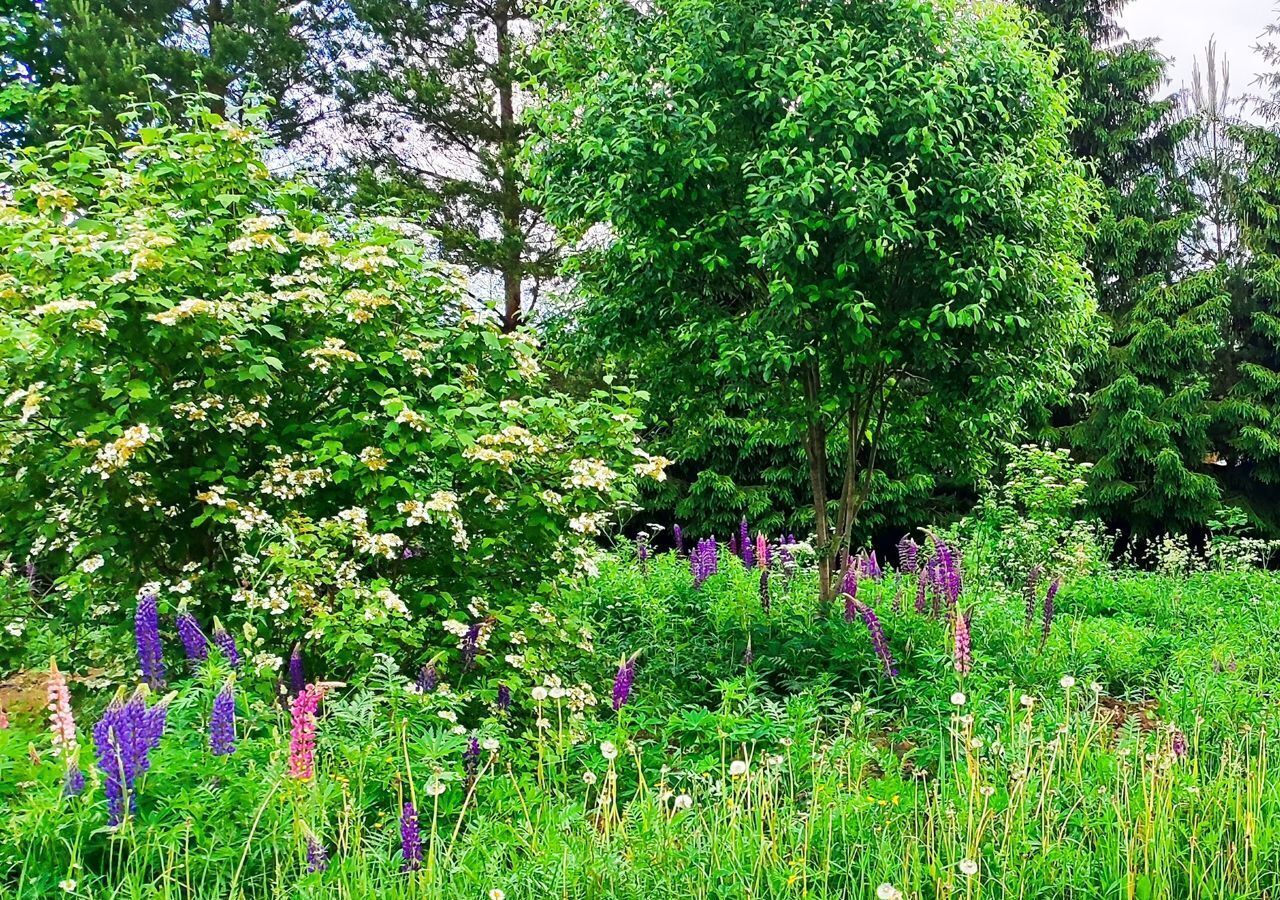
(1185, 26)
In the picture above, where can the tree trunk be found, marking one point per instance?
(215, 82)
(512, 264)
(815, 446)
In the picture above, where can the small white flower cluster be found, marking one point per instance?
(114, 456)
(333, 348)
(591, 474)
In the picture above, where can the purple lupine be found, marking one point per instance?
(963, 644)
(297, 671)
(150, 648)
(922, 599)
(642, 552)
(124, 738)
(850, 585)
(194, 643)
(785, 559)
(471, 758)
(623, 681)
(704, 561)
(470, 646)
(408, 552)
(1179, 744)
(1047, 618)
(222, 723)
(871, 566)
(410, 839)
(746, 547)
(878, 640)
(764, 590)
(850, 607)
(317, 856)
(73, 781)
(504, 698)
(427, 678)
(897, 600)
(1030, 589)
(225, 641)
(748, 656)
(947, 571)
(678, 533)
(733, 544)
(908, 555)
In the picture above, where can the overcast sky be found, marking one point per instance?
(1185, 26)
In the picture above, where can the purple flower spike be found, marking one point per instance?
(622, 682)
(908, 555)
(222, 723)
(922, 599)
(194, 643)
(1047, 620)
(427, 679)
(963, 649)
(471, 758)
(504, 698)
(470, 646)
(745, 545)
(850, 607)
(642, 552)
(764, 590)
(73, 783)
(1029, 591)
(678, 534)
(704, 561)
(878, 640)
(225, 641)
(1179, 744)
(123, 740)
(850, 586)
(150, 647)
(317, 856)
(297, 672)
(410, 839)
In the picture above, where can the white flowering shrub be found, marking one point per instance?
(292, 420)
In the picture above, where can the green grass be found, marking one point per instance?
(853, 780)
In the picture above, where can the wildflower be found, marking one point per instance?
(226, 644)
(608, 750)
(427, 679)
(958, 699)
(1047, 620)
(623, 681)
(908, 555)
(410, 839)
(764, 589)
(222, 723)
(704, 561)
(922, 586)
(878, 640)
(963, 644)
(642, 552)
(745, 546)
(678, 534)
(1029, 591)
(683, 801)
(497, 894)
(1067, 682)
(68, 885)
(887, 891)
(504, 698)
(436, 788)
(1027, 701)
(589, 778)
(969, 867)
(539, 693)
(123, 740)
(297, 674)
(302, 737)
(317, 856)
(61, 722)
(1179, 744)
(194, 643)
(73, 782)
(147, 635)
(870, 566)
(490, 744)
(471, 758)
(762, 550)
(738, 768)
(748, 655)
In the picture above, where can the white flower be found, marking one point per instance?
(1027, 700)
(738, 768)
(497, 894)
(683, 801)
(608, 751)
(589, 777)
(969, 866)
(1067, 682)
(958, 698)
(448, 715)
(68, 885)
(887, 891)
(539, 693)
(490, 744)
(435, 788)
(16, 627)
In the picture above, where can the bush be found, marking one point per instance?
(216, 393)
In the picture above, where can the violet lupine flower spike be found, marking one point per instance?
(850, 585)
(226, 644)
(1178, 744)
(1047, 619)
(745, 545)
(194, 643)
(297, 671)
(922, 593)
(963, 644)
(150, 648)
(123, 740)
(222, 723)
(764, 590)
(623, 681)
(73, 781)
(878, 640)
(410, 839)
(471, 759)
(678, 534)
(908, 555)
(427, 678)
(317, 856)
(503, 702)
(642, 553)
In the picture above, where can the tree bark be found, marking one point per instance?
(512, 263)
(815, 446)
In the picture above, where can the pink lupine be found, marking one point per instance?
(61, 722)
(302, 739)
(762, 550)
(963, 644)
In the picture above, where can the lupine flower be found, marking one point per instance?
(317, 856)
(1030, 590)
(963, 650)
(61, 722)
(302, 737)
(194, 643)
(222, 723)
(678, 534)
(150, 648)
(297, 672)
(427, 679)
(897, 600)
(870, 566)
(410, 839)
(908, 555)
(1179, 744)
(471, 758)
(733, 545)
(704, 561)
(642, 551)
(623, 681)
(745, 546)
(504, 698)
(748, 655)
(470, 646)
(922, 600)
(878, 640)
(124, 738)
(764, 589)
(226, 643)
(762, 550)
(947, 570)
(73, 781)
(1047, 620)
(850, 607)
(850, 586)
